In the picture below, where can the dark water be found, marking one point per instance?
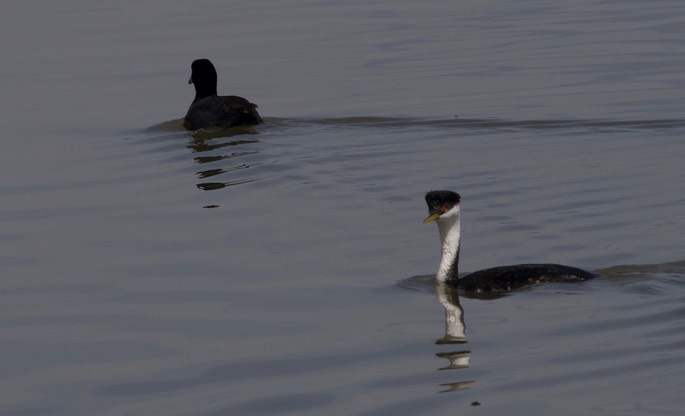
(271, 269)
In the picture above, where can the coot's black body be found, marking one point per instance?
(210, 110)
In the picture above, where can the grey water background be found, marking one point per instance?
(270, 270)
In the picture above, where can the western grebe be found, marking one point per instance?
(210, 110)
(443, 208)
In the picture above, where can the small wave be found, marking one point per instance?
(480, 123)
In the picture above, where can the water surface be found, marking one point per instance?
(268, 270)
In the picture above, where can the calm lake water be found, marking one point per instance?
(281, 269)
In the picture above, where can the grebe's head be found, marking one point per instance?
(442, 205)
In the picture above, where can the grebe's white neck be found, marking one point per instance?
(450, 237)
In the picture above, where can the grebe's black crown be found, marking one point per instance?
(438, 200)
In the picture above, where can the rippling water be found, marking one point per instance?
(281, 269)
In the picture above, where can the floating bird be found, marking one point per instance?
(443, 208)
(210, 110)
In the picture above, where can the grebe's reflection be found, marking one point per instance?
(455, 334)
(454, 315)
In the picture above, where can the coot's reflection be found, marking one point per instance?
(211, 149)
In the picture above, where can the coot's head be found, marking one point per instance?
(203, 77)
(442, 204)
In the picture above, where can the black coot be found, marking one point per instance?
(210, 110)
